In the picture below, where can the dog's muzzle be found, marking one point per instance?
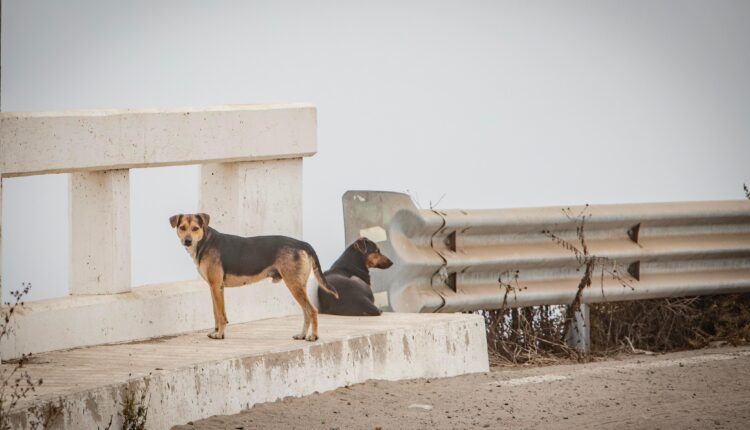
(188, 241)
(385, 262)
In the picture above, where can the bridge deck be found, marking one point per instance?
(191, 376)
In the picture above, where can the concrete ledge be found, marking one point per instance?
(145, 312)
(190, 376)
(34, 143)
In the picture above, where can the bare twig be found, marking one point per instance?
(15, 383)
(586, 261)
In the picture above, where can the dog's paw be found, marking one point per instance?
(298, 337)
(215, 335)
(311, 338)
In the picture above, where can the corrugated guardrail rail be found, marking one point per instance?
(451, 260)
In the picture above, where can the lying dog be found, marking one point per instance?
(350, 277)
(224, 260)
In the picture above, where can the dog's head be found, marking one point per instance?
(373, 256)
(190, 228)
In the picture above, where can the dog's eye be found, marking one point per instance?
(182, 227)
(195, 228)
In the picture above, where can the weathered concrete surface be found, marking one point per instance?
(191, 376)
(703, 389)
(145, 312)
(34, 143)
(254, 198)
(100, 232)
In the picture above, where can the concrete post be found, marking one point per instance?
(254, 198)
(100, 232)
(1, 240)
(580, 336)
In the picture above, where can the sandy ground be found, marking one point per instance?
(704, 389)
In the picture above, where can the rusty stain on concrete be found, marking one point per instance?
(93, 407)
(407, 350)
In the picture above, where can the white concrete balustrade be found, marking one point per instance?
(251, 183)
(100, 224)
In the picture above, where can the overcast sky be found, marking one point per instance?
(491, 104)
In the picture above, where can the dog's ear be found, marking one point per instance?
(204, 219)
(174, 220)
(361, 245)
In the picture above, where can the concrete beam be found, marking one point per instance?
(100, 232)
(190, 377)
(1, 241)
(36, 143)
(255, 198)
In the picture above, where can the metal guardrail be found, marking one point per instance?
(451, 260)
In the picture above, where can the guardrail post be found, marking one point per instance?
(100, 232)
(579, 337)
(254, 198)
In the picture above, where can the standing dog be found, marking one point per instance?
(350, 277)
(225, 260)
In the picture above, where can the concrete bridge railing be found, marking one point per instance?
(251, 183)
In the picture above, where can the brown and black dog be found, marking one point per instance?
(225, 260)
(350, 277)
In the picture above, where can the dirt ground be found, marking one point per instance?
(703, 389)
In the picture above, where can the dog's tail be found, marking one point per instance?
(319, 272)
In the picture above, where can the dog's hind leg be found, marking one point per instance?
(295, 271)
(299, 294)
(369, 308)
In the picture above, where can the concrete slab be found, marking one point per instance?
(190, 376)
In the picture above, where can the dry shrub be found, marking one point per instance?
(527, 336)
(663, 325)
(531, 336)
(15, 382)
(134, 407)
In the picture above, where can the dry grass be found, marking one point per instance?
(532, 336)
(15, 382)
(664, 325)
(134, 407)
(527, 336)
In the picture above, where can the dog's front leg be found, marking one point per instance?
(215, 312)
(220, 322)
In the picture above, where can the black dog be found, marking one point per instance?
(350, 277)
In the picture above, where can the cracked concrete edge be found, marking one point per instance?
(431, 350)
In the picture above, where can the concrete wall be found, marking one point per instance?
(155, 310)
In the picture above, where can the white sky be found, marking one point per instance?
(492, 103)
